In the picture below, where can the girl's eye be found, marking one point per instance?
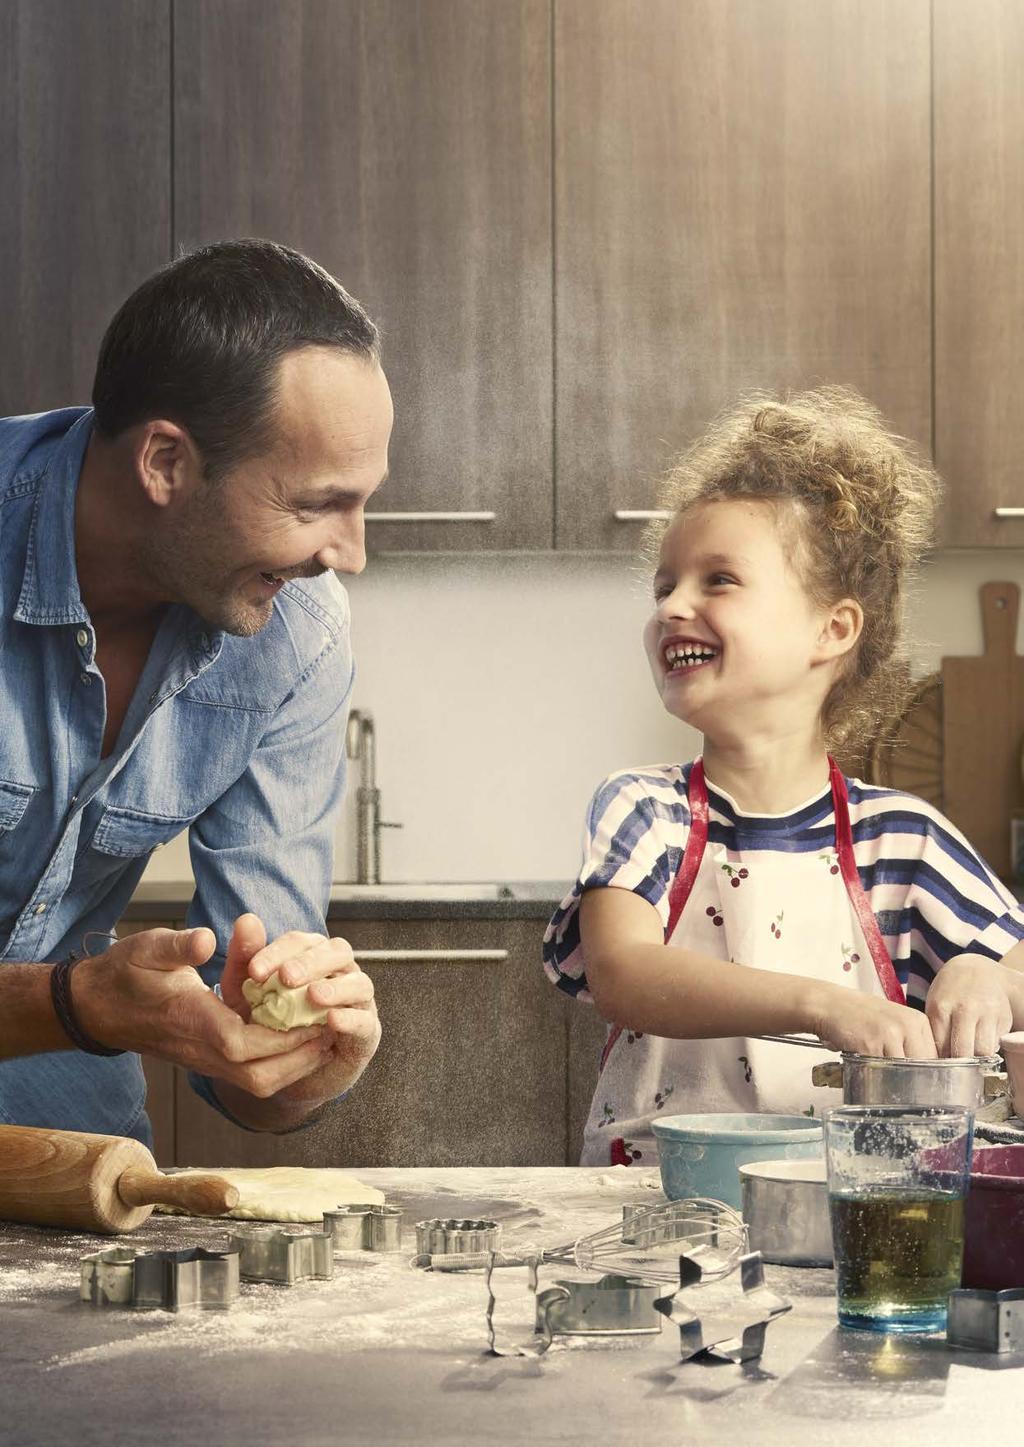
(718, 579)
(661, 590)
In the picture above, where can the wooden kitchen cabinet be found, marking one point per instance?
(85, 182)
(406, 145)
(472, 1067)
(742, 199)
(979, 268)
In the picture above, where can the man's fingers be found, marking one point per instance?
(168, 949)
(287, 947)
(356, 1023)
(241, 1042)
(352, 988)
(264, 1078)
(298, 959)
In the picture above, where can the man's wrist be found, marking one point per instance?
(64, 1009)
(272, 1115)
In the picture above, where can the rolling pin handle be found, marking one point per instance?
(829, 1073)
(200, 1195)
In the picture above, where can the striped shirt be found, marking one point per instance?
(932, 895)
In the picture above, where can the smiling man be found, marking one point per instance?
(174, 653)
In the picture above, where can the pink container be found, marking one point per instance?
(994, 1235)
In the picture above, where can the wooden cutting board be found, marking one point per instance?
(983, 727)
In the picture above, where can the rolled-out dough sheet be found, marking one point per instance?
(286, 1193)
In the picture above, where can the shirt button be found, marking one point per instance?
(85, 678)
(82, 638)
(41, 908)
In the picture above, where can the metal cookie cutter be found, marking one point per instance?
(760, 1304)
(274, 1253)
(171, 1280)
(986, 1321)
(365, 1228)
(439, 1241)
(612, 1306)
(108, 1277)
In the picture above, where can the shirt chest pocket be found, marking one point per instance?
(129, 833)
(13, 803)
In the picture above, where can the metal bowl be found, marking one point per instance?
(873, 1080)
(785, 1206)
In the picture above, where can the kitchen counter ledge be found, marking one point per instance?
(515, 899)
(387, 1354)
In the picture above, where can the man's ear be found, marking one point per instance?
(167, 463)
(842, 626)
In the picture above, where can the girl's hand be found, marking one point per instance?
(866, 1025)
(969, 1006)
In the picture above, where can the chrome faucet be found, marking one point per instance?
(361, 744)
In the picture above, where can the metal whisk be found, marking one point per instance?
(647, 1244)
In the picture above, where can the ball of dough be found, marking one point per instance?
(279, 1007)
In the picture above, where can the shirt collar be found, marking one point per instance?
(49, 587)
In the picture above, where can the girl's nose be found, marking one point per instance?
(676, 604)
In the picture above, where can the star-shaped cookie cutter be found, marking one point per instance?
(762, 1304)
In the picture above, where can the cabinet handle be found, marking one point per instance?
(1008, 512)
(641, 515)
(386, 956)
(429, 517)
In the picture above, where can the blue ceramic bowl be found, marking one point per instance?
(700, 1155)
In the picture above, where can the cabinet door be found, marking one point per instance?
(741, 200)
(85, 182)
(979, 268)
(471, 1069)
(406, 145)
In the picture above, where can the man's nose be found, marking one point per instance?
(345, 550)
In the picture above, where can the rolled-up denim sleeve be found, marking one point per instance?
(267, 845)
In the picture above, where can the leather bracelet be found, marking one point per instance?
(63, 1008)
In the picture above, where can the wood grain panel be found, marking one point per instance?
(979, 267)
(85, 181)
(405, 144)
(471, 1069)
(741, 200)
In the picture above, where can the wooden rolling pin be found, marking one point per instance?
(94, 1182)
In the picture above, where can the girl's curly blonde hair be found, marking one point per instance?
(863, 502)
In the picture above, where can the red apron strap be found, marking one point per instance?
(684, 880)
(851, 878)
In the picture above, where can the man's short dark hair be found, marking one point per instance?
(200, 343)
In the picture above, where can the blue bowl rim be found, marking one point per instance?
(684, 1127)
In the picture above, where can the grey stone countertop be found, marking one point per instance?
(387, 1354)
(513, 899)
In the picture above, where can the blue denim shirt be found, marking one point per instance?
(240, 740)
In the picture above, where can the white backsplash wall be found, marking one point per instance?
(503, 688)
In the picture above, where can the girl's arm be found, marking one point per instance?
(638, 981)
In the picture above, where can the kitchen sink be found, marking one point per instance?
(532, 889)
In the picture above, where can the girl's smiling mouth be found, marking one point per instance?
(685, 655)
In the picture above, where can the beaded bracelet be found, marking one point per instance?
(63, 1008)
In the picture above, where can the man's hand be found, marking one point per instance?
(335, 984)
(867, 1025)
(971, 1005)
(144, 994)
